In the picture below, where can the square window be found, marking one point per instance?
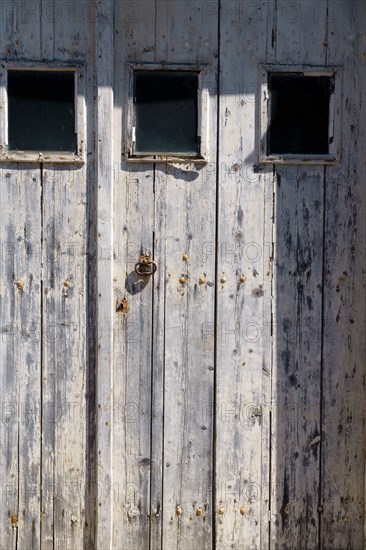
(41, 111)
(166, 112)
(300, 115)
(167, 116)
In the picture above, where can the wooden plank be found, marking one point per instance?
(25, 19)
(73, 28)
(105, 302)
(30, 377)
(133, 337)
(20, 357)
(65, 338)
(185, 208)
(297, 356)
(299, 34)
(50, 13)
(73, 23)
(64, 356)
(243, 281)
(343, 445)
(158, 363)
(21, 190)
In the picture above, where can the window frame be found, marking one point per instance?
(59, 157)
(202, 114)
(334, 127)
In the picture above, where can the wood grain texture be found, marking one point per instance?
(133, 229)
(105, 302)
(296, 387)
(65, 428)
(297, 377)
(343, 449)
(20, 358)
(188, 207)
(225, 408)
(64, 356)
(21, 308)
(243, 278)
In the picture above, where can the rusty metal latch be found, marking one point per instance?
(146, 266)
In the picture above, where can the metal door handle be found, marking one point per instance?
(146, 266)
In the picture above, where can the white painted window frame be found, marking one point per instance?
(335, 110)
(202, 122)
(60, 157)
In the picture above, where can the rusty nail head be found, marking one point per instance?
(14, 520)
(20, 284)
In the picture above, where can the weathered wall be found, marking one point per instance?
(226, 414)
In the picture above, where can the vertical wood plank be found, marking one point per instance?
(24, 18)
(20, 357)
(185, 220)
(73, 25)
(343, 445)
(64, 356)
(104, 158)
(300, 34)
(134, 29)
(21, 190)
(49, 16)
(65, 331)
(297, 378)
(243, 287)
(159, 338)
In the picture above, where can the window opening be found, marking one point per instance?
(41, 110)
(168, 108)
(299, 114)
(166, 112)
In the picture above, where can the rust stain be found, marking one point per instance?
(14, 520)
(20, 284)
(122, 306)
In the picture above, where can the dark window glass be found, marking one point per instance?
(166, 112)
(299, 114)
(41, 111)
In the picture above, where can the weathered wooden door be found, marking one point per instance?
(191, 363)
(46, 344)
(218, 403)
(223, 367)
(44, 354)
(164, 346)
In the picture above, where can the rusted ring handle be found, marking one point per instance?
(146, 267)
